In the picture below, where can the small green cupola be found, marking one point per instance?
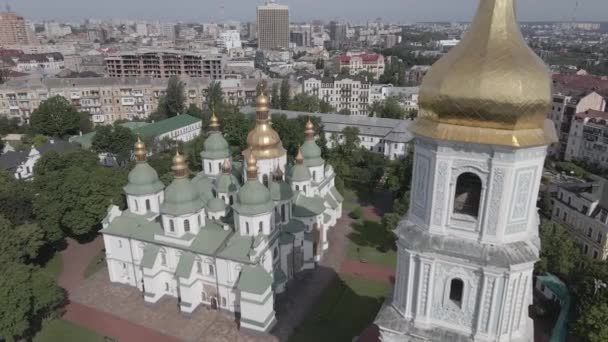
(215, 146)
(181, 196)
(227, 182)
(143, 179)
(253, 198)
(300, 172)
(310, 150)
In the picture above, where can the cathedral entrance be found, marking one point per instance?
(213, 303)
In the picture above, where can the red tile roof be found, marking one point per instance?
(594, 116)
(581, 83)
(366, 57)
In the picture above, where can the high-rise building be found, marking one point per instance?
(13, 29)
(337, 34)
(273, 26)
(468, 245)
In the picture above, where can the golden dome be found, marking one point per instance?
(299, 157)
(252, 167)
(263, 141)
(139, 150)
(278, 174)
(491, 88)
(214, 122)
(179, 168)
(309, 130)
(226, 166)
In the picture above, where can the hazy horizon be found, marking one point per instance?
(301, 10)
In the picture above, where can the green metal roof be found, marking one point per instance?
(332, 203)
(167, 125)
(308, 206)
(209, 239)
(237, 248)
(280, 191)
(337, 195)
(215, 147)
(286, 238)
(227, 183)
(184, 265)
(254, 279)
(143, 180)
(150, 254)
(311, 153)
(215, 205)
(181, 198)
(294, 226)
(86, 140)
(203, 186)
(253, 199)
(300, 173)
(326, 218)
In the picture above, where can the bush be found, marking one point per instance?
(356, 213)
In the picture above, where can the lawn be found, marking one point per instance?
(346, 307)
(54, 266)
(370, 242)
(350, 199)
(97, 263)
(64, 331)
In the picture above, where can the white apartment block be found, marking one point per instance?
(371, 63)
(342, 93)
(407, 96)
(229, 40)
(111, 99)
(563, 111)
(588, 138)
(582, 208)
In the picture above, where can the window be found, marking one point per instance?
(283, 212)
(231, 200)
(211, 270)
(314, 175)
(456, 289)
(166, 286)
(297, 188)
(261, 227)
(595, 254)
(589, 232)
(171, 225)
(163, 259)
(275, 254)
(599, 237)
(119, 244)
(467, 195)
(148, 207)
(209, 166)
(200, 220)
(136, 206)
(585, 249)
(223, 301)
(187, 225)
(247, 228)
(304, 188)
(557, 212)
(565, 216)
(203, 296)
(265, 180)
(585, 209)
(124, 266)
(199, 267)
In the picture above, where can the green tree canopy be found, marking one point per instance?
(275, 99)
(559, 254)
(116, 140)
(215, 95)
(285, 97)
(58, 118)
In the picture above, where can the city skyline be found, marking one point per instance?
(357, 10)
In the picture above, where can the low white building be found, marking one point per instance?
(231, 237)
(21, 163)
(588, 138)
(228, 40)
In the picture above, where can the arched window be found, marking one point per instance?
(261, 226)
(231, 199)
(314, 176)
(297, 188)
(171, 225)
(209, 165)
(247, 228)
(199, 267)
(304, 188)
(211, 270)
(223, 198)
(275, 254)
(214, 192)
(219, 165)
(283, 211)
(200, 220)
(167, 287)
(136, 206)
(163, 258)
(265, 180)
(456, 291)
(467, 195)
(187, 225)
(148, 207)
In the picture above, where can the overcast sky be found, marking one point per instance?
(356, 10)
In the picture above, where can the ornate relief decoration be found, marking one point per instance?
(521, 295)
(426, 272)
(507, 307)
(498, 178)
(481, 166)
(443, 308)
(487, 303)
(423, 164)
(520, 203)
(442, 170)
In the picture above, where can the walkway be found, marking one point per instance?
(368, 271)
(76, 258)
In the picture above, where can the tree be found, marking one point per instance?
(10, 125)
(56, 117)
(285, 90)
(587, 285)
(325, 107)
(115, 140)
(275, 100)
(344, 111)
(304, 103)
(559, 254)
(290, 131)
(20, 244)
(215, 95)
(16, 199)
(320, 64)
(392, 109)
(15, 300)
(194, 111)
(174, 98)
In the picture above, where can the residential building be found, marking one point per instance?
(588, 139)
(111, 99)
(301, 35)
(337, 34)
(233, 236)
(407, 96)
(273, 26)
(165, 63)
(42, 63)
(355, 64)
(581, 206)
(20, 164)
(229, 40)
(346, 94)
(468, 244)
(416, 73)
(389, 137)
(13, 30)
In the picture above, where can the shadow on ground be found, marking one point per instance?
(368, 233)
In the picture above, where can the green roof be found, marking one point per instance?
(86, 140)
(337, 195)
(311, 153)
(554, 284)
(215, 147)
(308, 206)
(254, 279)
(227, 183)
(237, 248)
(209, 239)
(181, 198)
(294, 226)
(326, 218)
(204, 187)
(133, 125)
(215, 205)
(332, 203)
(300, 173)
(280, 191)
(286, 238)
(253, 199)
(167, 125)
(143, 180)
(184, 265)
(135, 226)
(150, 254)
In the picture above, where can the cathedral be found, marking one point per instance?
(231, 237)
(468, 245)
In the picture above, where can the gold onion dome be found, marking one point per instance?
(252, 167)
(299, 157)
(263, 141)
(179, 168)
(278, 174)
(139, 150)
(214, 122)
(309, 130)
(491, 88)
(226, 166)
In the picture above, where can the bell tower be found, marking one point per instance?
(468, 245)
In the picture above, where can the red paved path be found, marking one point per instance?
(76, 257)
(369, 271)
